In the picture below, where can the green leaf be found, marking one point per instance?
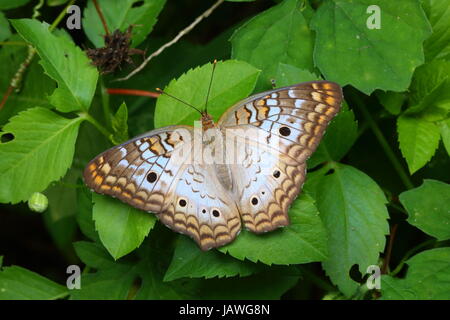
(41, 152)
(418, 140)
(437, 46)
(60, 216)
(5, 31)
(110, 284)
(93, 255)
(33, 90)
(352, 207)
(277, 35)
(237, 81)
(10, 4)
(445, 134)
(427, 278)
(54, 3)
(430, 91)
(270, 285)
(340, 136)
(84, 213)
(391, 101)
(120, 14)
(189, 261)
(121, 227)
(348, 52)
(63, 62)
(288, 75)
(303, 241)
(17, 283)
(428, 208)
(120, 125)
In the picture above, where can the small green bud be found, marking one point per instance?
(38, 202)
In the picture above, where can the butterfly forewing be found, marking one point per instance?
(291, 122)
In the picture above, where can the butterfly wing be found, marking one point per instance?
(290, 122)
(155, 172)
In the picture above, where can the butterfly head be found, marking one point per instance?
(207, 121)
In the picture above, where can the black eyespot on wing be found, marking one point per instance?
(182, 203)
(151, 177)
(276, 174)
(216, 213)
(254, 201)
(285, 131)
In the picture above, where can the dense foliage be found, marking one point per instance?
(376, 193)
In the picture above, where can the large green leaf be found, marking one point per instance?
(63, 62)
(418, 140)
(303, 241)
(348, 52)
(437, 46)
(233, 81)
(352, 207)
(60, 216)
(278, 35)
(189, 261)
(428, 207)
(121, 227)
(120, 14)
(430, 91)
(288, 75)
(17, 283)
(41, 152)
(427, 278)
(93, 255)
(115, 279)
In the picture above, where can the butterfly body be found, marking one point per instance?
(207, 182)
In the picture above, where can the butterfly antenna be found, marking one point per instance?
(179, 100)
(210, 84)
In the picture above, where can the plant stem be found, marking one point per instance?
(102, 18)
(96, 124)
(105, 103)
(409, 254)
(133, 92)
(384, 144)
(60, 16)
(389, 249)
(13, 43)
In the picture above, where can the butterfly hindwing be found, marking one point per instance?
(151, 174)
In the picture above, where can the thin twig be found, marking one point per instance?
(174, 40)
(389, 249)
(100, 14)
